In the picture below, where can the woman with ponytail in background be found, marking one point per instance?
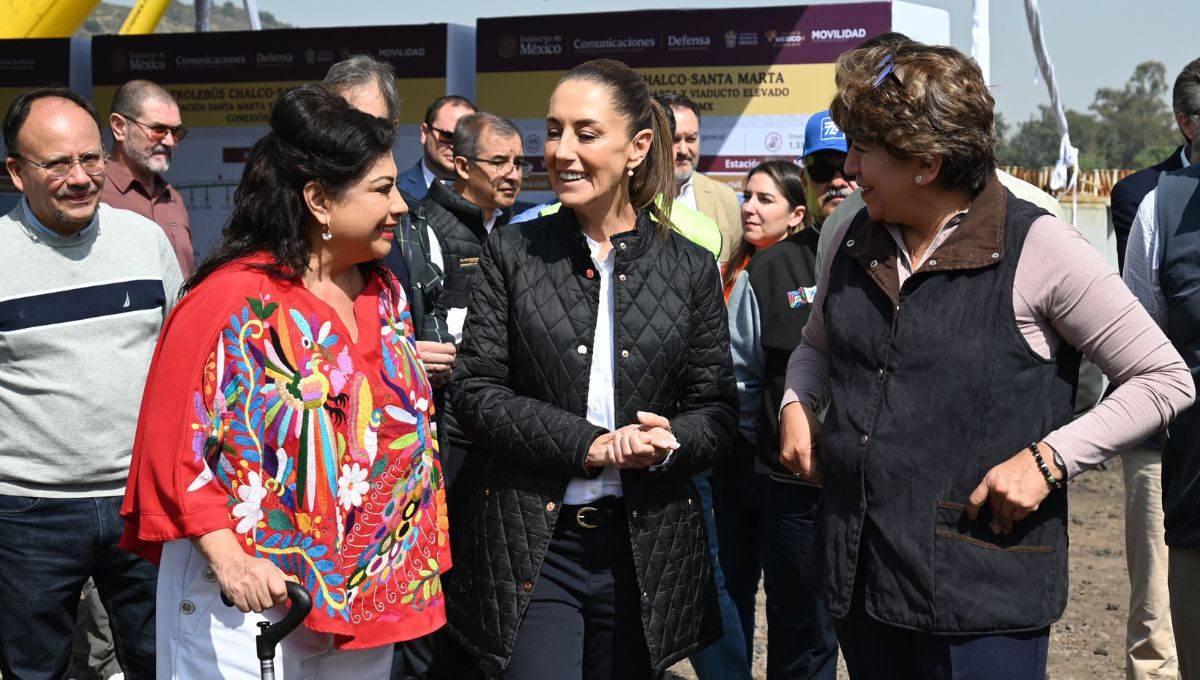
(595, 371)
(285, 430)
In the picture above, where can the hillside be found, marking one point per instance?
(179, 18)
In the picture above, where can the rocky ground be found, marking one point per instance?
(1088, 643)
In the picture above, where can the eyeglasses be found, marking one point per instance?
(158, 131)
(58, 168)
(504, 166)
(444, 136)
(823, 169)
(884, 69)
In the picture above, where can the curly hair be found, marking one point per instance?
(934, 102)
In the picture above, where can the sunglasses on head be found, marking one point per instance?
(823, 169)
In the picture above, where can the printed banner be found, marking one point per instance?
(24, 65)
(756, 73)
(226, 84)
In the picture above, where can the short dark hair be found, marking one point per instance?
(470, 128)
(133, 95)
(675, 100)
(362, 69)
(18, 111)
(449, 100)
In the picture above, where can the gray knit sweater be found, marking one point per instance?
(79, 317)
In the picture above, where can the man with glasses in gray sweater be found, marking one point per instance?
(84, 291)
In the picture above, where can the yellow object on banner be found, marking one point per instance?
(144, 16)
(45, 18)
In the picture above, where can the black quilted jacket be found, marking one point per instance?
(520, 388)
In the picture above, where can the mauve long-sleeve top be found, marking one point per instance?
(1063, 292)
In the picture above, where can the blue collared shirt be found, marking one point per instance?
(43, 230)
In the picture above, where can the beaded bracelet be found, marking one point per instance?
(1041, 463)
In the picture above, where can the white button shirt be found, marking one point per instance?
(687, 193)
(601, 406)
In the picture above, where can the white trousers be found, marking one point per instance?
(200, 638)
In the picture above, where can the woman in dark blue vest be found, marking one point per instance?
(945, 339)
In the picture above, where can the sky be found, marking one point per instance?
(1092, 44)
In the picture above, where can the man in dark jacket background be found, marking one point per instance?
(1150, 635)
(1129, 192)
(489, 166)
(436, 164)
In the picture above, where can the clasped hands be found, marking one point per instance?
(633, 447)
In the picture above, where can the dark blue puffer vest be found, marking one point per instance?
(932, 386)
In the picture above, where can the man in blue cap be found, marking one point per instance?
(826, 184)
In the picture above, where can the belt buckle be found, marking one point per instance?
(581, 521)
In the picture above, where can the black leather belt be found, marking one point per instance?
(593, 516)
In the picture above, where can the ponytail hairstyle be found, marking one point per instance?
(315, 136)
(652, 186)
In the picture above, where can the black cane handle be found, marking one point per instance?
(272, 633)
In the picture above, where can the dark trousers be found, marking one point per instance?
(739, 508)
(439, 655)
(877, 651)
(801, 644)
(585, 617)
(48, 549)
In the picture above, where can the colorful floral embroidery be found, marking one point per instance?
(331, 469)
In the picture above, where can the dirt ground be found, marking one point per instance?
(1089, 642)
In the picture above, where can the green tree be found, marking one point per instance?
(1034, 144)
(1137, 116)
(1127, 126)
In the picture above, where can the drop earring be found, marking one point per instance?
(326, 235)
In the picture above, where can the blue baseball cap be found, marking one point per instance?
(822, 134)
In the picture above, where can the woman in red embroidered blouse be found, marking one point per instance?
(286, 428)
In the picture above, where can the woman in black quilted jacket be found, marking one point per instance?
(595, 371)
